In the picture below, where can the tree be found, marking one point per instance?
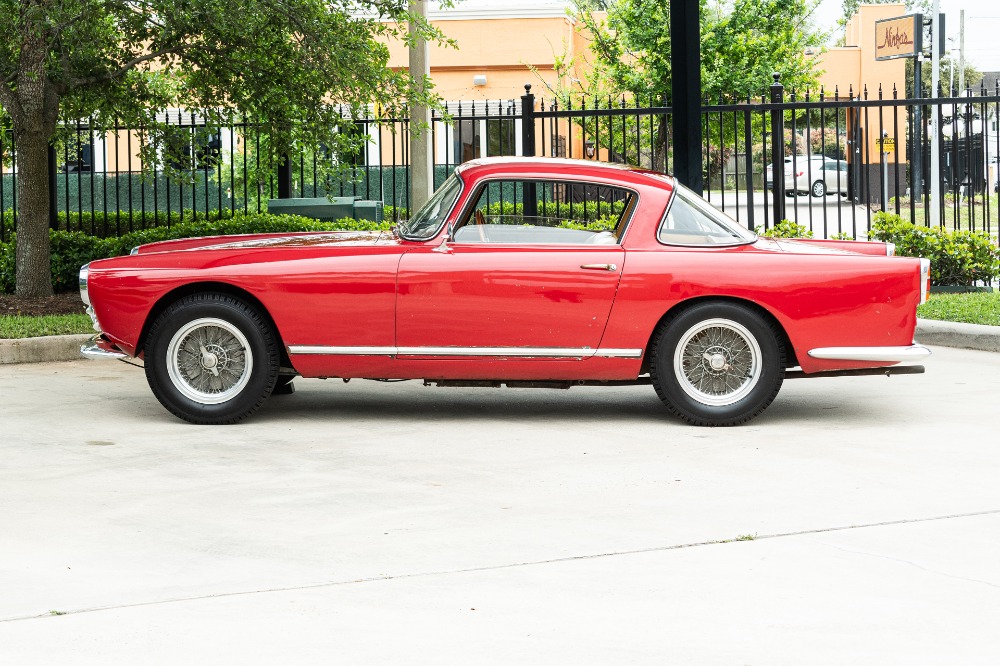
(742, 43)
(280, 62)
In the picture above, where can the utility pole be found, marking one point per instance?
(934, 218)
(421, 149)
(961, 52)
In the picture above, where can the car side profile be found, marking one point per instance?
(524, 272)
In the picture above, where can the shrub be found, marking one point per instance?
(72, 249)
(957, 257)
(785, 229)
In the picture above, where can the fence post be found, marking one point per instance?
(53, 194)
(530, 205)
(527, 122)
(285, 177)
(778, 149)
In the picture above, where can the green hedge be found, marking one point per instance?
(957, 257)
(114, 223)
(72, 249)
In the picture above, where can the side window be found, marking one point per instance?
(690, 220)
(547, 211)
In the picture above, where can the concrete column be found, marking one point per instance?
(421, 148)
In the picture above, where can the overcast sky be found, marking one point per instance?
(982, 25)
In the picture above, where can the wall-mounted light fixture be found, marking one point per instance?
(589, 149)
(479, 80)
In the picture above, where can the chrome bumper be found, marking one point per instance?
(913, 352)
(94, 351)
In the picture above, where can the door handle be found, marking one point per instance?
(600, 267)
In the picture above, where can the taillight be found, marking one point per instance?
(925, 279)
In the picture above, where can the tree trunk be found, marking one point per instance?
(33, 262)
(34, 111)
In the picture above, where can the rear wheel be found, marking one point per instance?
(211, 359)
(819, 189)
(717, 364)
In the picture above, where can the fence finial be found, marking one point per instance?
(527, 88)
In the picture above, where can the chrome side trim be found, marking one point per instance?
(618, 353)
(914, 352)
(521, 352)
(518, 352)
(342, 351)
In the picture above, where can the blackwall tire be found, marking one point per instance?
(211, 359)
(819, 189)
(717, 363)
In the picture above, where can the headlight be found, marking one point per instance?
(84, 274)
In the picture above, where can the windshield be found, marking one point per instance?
(690, 220)
(426, 221)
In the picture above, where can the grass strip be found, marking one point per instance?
(36, 327)
(981, 308)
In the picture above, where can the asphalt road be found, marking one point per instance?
(856, 521)
(825, 216)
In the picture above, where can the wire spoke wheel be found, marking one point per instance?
(717, 362)
(211, 358)
(209, 361)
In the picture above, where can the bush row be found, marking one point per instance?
(959, 258)
(113, 223)
(71, 250)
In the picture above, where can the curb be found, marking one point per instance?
(953, 334)
(929, 332)
(42, 350)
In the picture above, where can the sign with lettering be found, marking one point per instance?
(887, 143)
(899, 37)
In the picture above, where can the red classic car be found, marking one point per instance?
(518, 271)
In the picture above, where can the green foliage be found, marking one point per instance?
(842, 235)
(15, 327)
(977, 308)
(742, 43)
(785, 229)
(71, 250)
(285, 65)
(957, 257)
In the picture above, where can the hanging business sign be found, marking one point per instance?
(899, 37)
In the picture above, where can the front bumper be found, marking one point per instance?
(99, 348)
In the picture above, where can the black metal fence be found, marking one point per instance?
(840, 157)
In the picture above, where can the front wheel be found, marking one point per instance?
(717, 364)
(819, 189)
(211, 359)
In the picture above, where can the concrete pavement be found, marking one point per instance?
(373, 523)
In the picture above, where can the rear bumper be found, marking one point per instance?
(100, 348)
(913, 352)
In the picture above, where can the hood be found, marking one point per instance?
(250, 241)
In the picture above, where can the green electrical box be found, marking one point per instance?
(318, 208)
(369, 210)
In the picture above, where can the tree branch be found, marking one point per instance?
(131, 64)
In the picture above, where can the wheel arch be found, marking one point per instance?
(178, 293)
(687, 304)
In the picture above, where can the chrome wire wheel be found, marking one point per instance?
(717, 362)
(209, 361)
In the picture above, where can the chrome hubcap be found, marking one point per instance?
(717, 362)
(209, 361)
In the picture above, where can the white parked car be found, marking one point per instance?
(816, 175)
